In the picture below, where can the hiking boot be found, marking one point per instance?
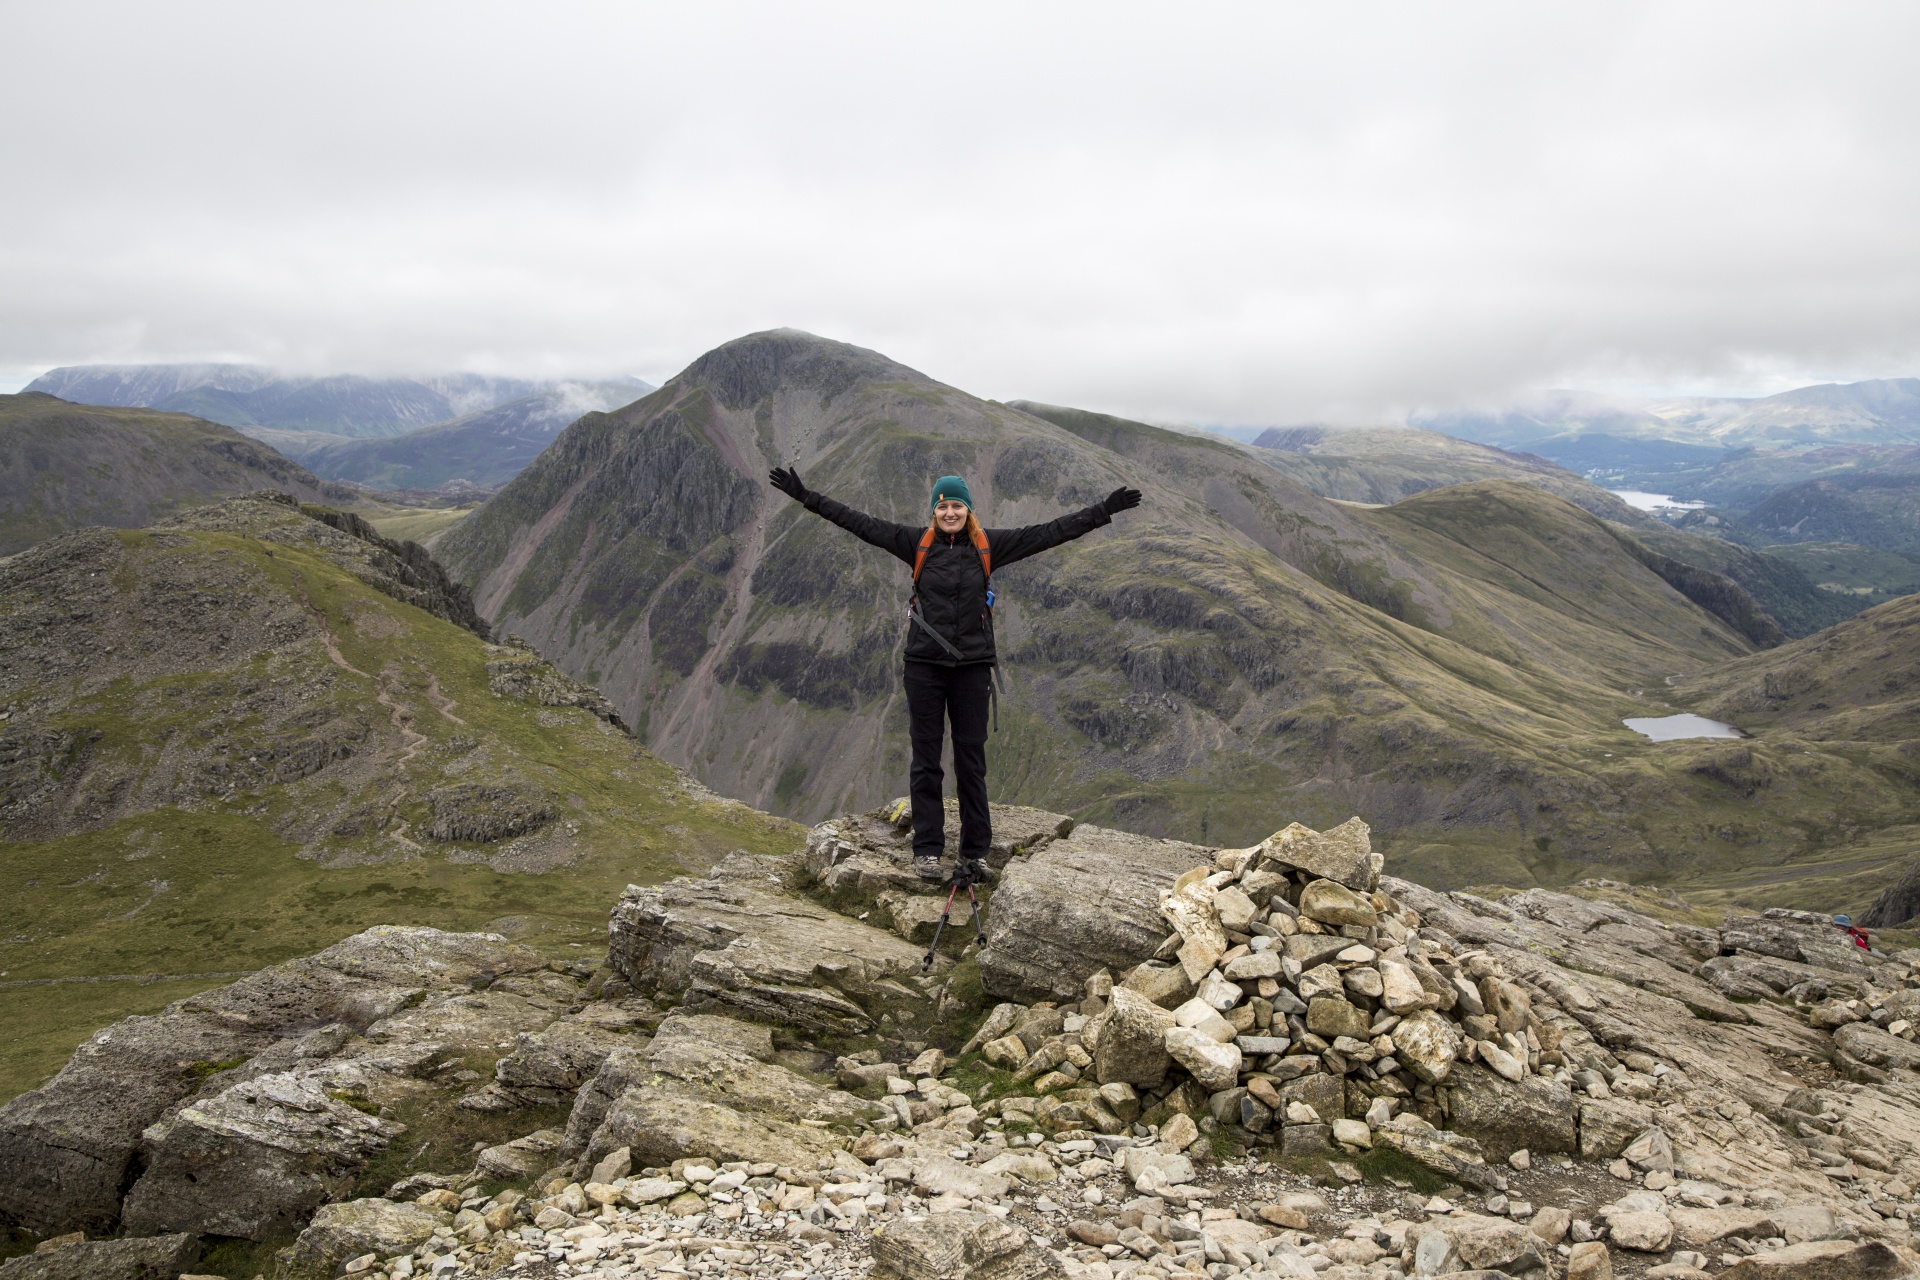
(927, 867)
(976, 871)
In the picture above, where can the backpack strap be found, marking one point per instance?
(920, 556)
(979, 545)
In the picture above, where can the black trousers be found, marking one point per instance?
(937, 695)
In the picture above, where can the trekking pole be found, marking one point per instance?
(940, 928)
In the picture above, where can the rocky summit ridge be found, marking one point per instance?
(1255, 1062)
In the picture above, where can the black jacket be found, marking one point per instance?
(953, 589)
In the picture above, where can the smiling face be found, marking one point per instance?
(950, 514)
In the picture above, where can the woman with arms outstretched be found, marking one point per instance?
(949, 655)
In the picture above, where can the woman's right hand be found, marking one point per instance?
(787, 481)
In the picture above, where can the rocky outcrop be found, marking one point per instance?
(1086, 901)
(1823, 1260)
(737, 940)
(404, 570)
(1896, 904)
(253, 1161)
(526, 677)
(860, 856)
(483, 814)
(379, 1010)
(977, 1245)
(66, 1148)
(708, 1086)
(151, 1258)
(548, 1067)
(353, 1229)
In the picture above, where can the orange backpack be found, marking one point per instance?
(979, 544)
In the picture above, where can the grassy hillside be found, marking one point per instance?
(423, 525)
(64, 466)
(1236, 654)
(1867, 573)
(1850, 693)
(224, 743)
(1878, 509)
(1779, 583)
(1856, 682)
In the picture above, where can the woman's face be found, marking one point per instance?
(950, 514)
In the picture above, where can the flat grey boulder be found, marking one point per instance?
(1452, 1155)
(1698, 1228)
(1871, 1045)
(1085, 902)
(254, 1161)
(522, 1158)
(1537, 1114)
(1822, 1260)
(708, 1085)
(547, 1067)
(340, 1232)
(148, 1258)
(738, 940)
(959, 1246)
(1472, 1242)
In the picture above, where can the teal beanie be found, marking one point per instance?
(950, 487)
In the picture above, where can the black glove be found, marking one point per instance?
(1120, 500)
(787, 481)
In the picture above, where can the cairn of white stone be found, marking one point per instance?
(1288, 984)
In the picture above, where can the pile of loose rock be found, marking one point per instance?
(1293, 1002)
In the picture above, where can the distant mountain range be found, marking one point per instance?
(1836, 464)
(1386, 464)
(485, 429)
(486, 448)
(1885, 411)
(249, 396)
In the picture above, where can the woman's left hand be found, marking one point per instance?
(1122, 499)
(787, 481)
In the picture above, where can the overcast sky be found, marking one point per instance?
(1205, 212)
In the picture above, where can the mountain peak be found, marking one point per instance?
(748, 369)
